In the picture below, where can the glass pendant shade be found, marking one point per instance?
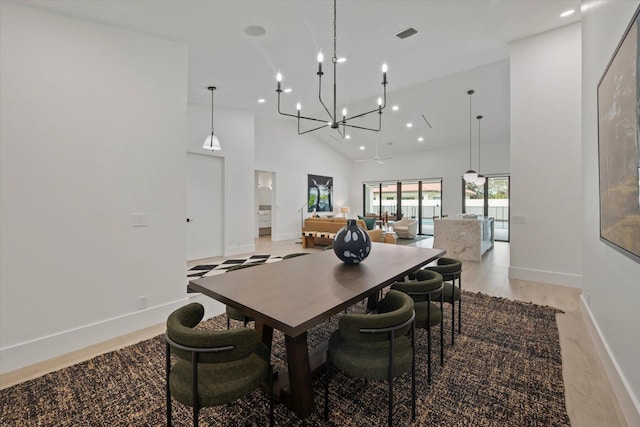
(212, 143)
(470, 175)
(480, 180)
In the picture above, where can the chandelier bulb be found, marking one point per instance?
(344, 112)
(384, 67)
(379, 101)
(279, 77)
(320, 57)
(298, 106)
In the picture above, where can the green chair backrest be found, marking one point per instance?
(427, 281)
(396, 308)
(180, 328)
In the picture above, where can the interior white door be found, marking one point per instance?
(204, 206)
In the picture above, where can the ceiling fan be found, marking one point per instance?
(379, 160)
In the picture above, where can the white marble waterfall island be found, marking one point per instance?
(464, 239)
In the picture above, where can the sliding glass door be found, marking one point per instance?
(431, 204)
(420, 199)
(498, 205)
(490, 199)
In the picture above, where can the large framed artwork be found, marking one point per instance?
(619, 146)
(320, 193)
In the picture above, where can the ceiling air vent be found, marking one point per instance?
(406, 33)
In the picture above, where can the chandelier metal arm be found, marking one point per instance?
(377, 110)
(320, 96)
(310, 130)
(364, 128)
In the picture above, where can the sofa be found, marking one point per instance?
(406, 228)
(321, 231)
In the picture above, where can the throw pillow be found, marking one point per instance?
(371, 223)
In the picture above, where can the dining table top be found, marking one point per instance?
(298, 293)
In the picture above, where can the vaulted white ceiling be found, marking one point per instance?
(460, 45)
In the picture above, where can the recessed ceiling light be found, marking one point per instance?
(567, 13)
(420, 139)
(341, 60)
(287, 90)
(261, 100)
(362, 147)
(255, 30)
(395, 108)
(409, 125)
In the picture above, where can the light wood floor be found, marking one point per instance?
(589, 396)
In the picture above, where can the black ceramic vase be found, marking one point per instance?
(352, 243)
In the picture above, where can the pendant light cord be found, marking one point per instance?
(212, 89)
(335, 14)
(479, 118)
(470, 119)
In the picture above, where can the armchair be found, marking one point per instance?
(406, 228)
(213, 367)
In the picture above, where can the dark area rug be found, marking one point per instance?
(505, 369)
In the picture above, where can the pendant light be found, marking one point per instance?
(212, 143)
(480, 180)
(470, 175)
(332, 119)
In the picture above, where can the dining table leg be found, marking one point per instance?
(265, 334)
(300, 387)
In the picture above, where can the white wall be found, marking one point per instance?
(236, 132)
(545, 157)
(448, 164)
(292, 157)
(611, 289)
(92, 130)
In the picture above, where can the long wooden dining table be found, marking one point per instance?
(299, 293)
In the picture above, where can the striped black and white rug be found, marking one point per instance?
(205, 270)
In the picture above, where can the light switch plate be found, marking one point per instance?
(518, 219)
(139, 220)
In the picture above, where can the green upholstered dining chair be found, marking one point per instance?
(451, 270)
(212, 367)
(375, 346)
(234, 313)
(428, 309)
(295, 254)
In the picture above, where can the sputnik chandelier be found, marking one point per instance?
(333, 120)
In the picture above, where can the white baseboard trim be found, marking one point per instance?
(551, 277)
(44, 348)
(236, 250)
(629, 403)
(287, 236)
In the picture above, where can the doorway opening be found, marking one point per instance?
(264, 201)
